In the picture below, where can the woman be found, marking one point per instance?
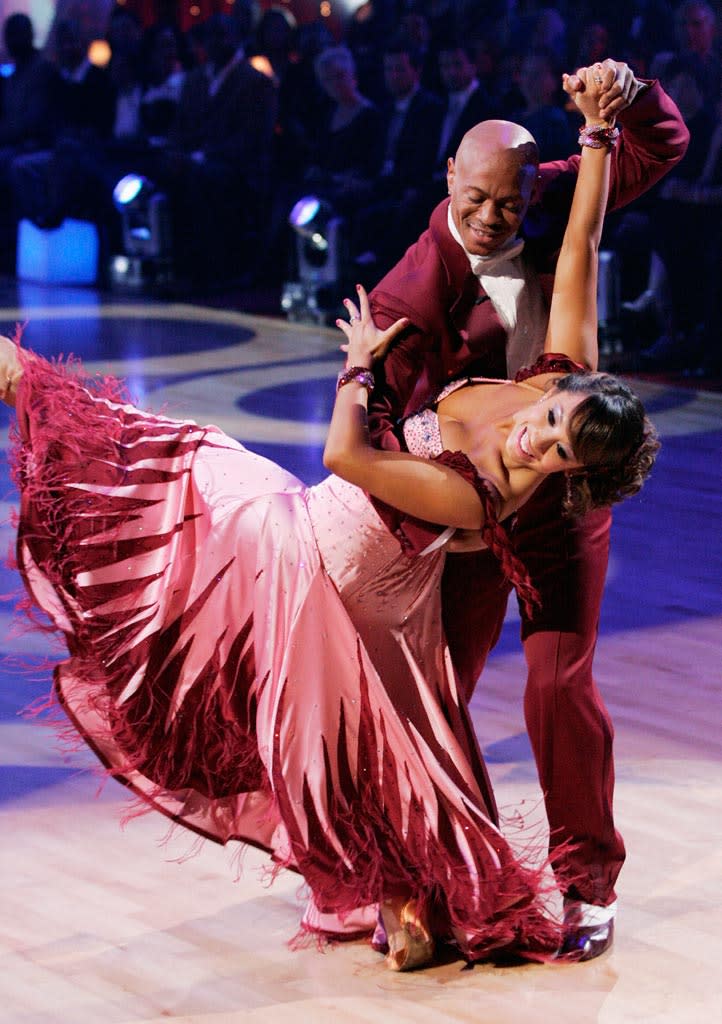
(261, 661)
(348, 151)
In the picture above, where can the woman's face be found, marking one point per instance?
(337, 81)
(539, 436)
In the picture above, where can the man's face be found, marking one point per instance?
(456, 70)
(490, 194)
(400, 75)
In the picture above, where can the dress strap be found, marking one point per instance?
(493, 533)
(549, 362)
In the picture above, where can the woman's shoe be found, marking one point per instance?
(411, 945)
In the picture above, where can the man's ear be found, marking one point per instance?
(450, 172)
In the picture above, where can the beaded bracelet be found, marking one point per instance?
(598, 136)
(361, 374)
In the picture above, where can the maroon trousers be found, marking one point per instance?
(568, 725)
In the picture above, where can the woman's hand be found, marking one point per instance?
(620, 84)
(588, 88)
(366, 343)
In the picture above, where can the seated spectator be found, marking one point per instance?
(683, 231)
(126, 73)
(544, 114)
(304, 106)
(51, 184)
(466, 102)
(92, 16)
(348, 153)
(705, 194)
(217, 163)
(161, 95)
(365, 34)
(26, 117)
(412, 117)
(696, 33)
(593, 46)
(507, 96)
(273, 39)
(414, 23)
(641, 28)
(548, 32)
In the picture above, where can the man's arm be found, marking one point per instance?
(653, 140)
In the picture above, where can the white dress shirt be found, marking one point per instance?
(516, 295)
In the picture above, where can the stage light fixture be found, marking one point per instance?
(318, 242)
(147, 243)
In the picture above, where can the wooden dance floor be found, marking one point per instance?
(103, 925)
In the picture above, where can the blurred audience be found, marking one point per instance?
(683, 230)
(51, 184)
(235, 121)
(27, 116)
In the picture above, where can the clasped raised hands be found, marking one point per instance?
(612, 83)
(366, 343)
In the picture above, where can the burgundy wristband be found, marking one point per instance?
(361, 374)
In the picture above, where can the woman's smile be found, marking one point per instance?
(538, 437)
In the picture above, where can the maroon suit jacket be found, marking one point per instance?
(454, 330)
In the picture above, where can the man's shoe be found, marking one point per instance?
(581, 943)
(588, 930)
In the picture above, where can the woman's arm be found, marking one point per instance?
(573, 317)
(416, 486)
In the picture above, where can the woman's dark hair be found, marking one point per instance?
(612, 438)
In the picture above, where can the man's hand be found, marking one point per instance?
(620, 87)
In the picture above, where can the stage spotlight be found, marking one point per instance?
(318, 243)
(309, 219)
(145, 217)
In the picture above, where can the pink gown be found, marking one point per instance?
(260, 661)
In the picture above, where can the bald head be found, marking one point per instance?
(494, 136)
(490, 183)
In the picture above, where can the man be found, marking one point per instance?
(413, 119)
(219, 152)
(475, 291)
(696, 31)
(466, 99)
(412, 116)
